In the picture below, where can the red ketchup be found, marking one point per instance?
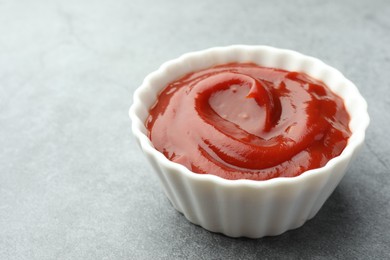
(243, 121)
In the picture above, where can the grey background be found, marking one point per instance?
(73, 183)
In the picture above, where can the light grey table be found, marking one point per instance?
(73, 183)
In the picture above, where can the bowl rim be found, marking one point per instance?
(358, 135)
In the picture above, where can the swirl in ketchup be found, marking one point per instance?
(243, 121)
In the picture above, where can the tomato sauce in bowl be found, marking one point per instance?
(244, 121)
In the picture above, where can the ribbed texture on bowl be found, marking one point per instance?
(246, 207)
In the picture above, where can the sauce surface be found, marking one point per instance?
(242, 121)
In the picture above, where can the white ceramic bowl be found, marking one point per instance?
(246, 207)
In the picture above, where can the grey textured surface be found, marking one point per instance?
(73, 183)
